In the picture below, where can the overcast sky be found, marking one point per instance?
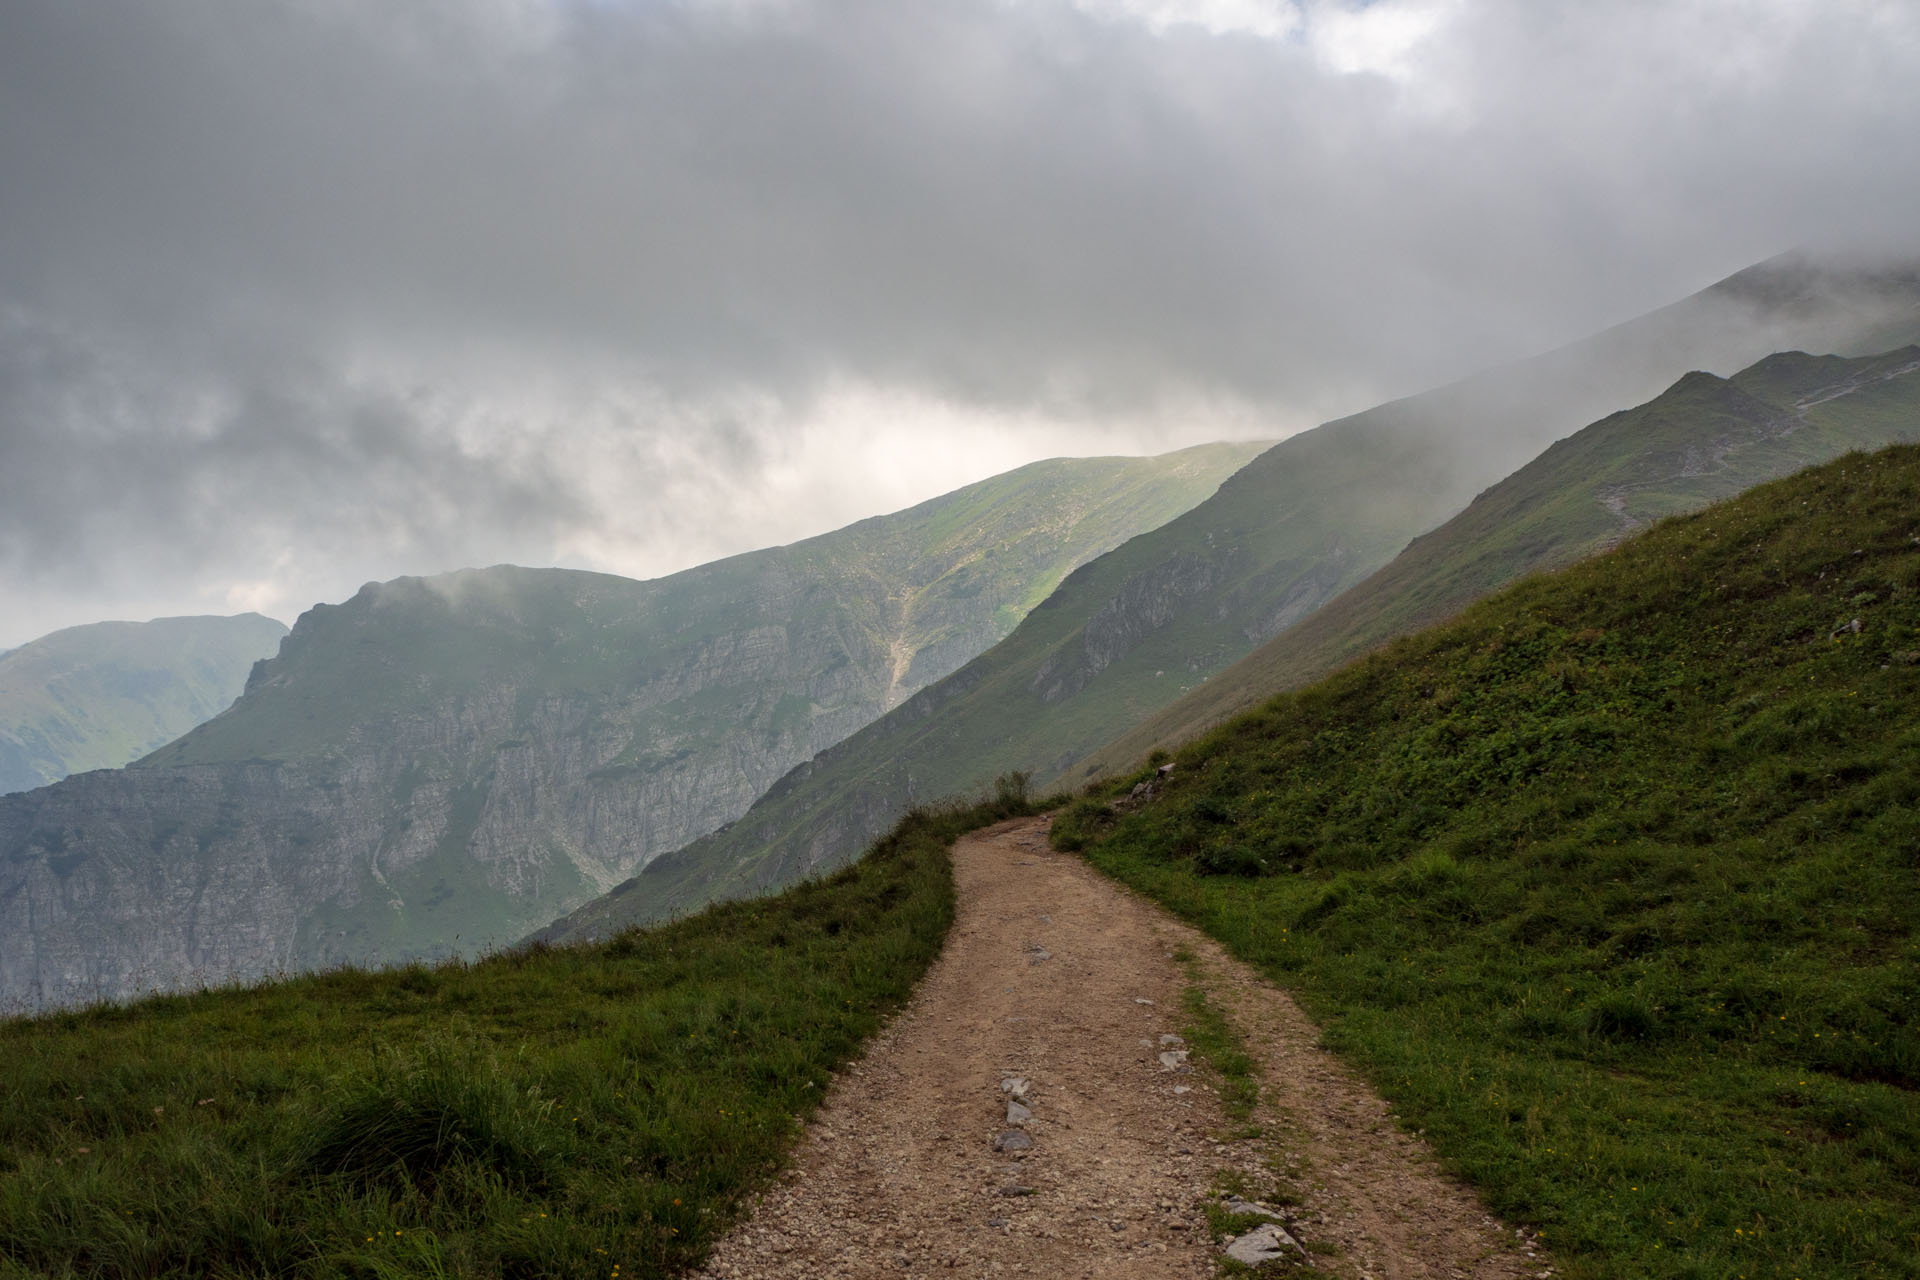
(300, 293)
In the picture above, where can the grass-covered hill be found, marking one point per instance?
(100, 695)
(439, 764)
(1162, 615)
(1703, 439)
(589, 1111)
(1612, 884)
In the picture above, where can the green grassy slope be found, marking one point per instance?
(1704, 439)
(575, 1112)
(1612, 885)
(963, 567)
(1154, 619)
(98, 696)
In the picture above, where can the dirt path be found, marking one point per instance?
(1056, 976)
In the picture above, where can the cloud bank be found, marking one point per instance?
(298, 293)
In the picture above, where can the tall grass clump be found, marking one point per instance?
(1612, 885)
(545, 1112)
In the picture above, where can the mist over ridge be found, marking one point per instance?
(296, 296)
(1136, 635)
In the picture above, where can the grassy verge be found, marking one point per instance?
(1613, 885)
(1223, 1049)
(1220, 1045)
(593, 1110)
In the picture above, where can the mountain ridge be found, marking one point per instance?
(438, 764)
(1312, 516)
(1582, 495)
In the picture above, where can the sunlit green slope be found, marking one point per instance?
(747, 644)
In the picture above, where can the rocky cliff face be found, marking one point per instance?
(477, 817)
(442, 764)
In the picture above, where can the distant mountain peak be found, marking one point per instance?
(99, 695)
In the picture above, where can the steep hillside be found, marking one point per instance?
(1704, 439)
(440, 763)
(1610, 884)
(97, 696)
(570, 1112)
(1134, 630)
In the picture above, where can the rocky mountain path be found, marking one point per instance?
(1032, 1112)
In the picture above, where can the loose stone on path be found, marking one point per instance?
(1266, 1243)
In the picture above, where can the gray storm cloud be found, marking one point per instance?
(294, 294)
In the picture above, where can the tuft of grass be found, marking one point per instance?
(545, 1112)
(1224, 1049)
(1610, 885)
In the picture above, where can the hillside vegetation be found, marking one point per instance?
(1164, 614)
(578, 1112)
(1704, 439)
(440, 764)
(1611, 885)
(100, 695)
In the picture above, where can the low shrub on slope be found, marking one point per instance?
(584, 1111)
(1612, 884)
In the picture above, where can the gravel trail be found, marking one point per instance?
(1056, 989)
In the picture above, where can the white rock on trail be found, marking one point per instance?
(1264, 1243)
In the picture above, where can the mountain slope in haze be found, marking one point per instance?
(1704, 439)
(100, 695)
(1612, 883)
(808, 641)
(1132, 631)
(439, 763)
